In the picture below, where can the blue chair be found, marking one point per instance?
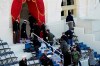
(97, 56)
(56, 65)
(28, 48)
(95, 53)
(54, 62)
(27, 45)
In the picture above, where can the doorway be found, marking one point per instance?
(21, 10)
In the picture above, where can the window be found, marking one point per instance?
(72, 11)
(62, 13)
(70, 2)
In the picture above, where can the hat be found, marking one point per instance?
(25, 20)
(24, 56)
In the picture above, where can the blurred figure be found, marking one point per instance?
(16, 32)
(36, 29)
(23, 31)
(64, 37)
(36, 44)
(31, 20)
(50, 37)
(43, 29)
(91, 59)
(75, 57)
(69, 34)
(67, 58)
(79, 50)
(70, 20)
(23, 62)
(63, 45)
(45, 60)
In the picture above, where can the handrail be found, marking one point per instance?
(47, 43)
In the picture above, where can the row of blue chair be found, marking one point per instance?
(7, 57)
(85, 47)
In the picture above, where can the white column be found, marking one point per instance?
(5, 21)
(53, 16)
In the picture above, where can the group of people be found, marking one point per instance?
(70, 50)
(39, 30)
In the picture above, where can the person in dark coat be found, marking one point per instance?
(16, 32)
(50, 37)
(45, 60)
(31, 21)
(23, 31)
(64, 37)
(43, 29)
(36, 28)
(70, 20)
(63, 45)
(69, 34)
(23, 62)
(67, 58)
(36, 44)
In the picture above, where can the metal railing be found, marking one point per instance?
(47, 43)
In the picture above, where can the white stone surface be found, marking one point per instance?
(5, 21)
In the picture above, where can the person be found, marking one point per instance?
(31, 20)
(45, 60)
(64, 37)
(50, 37)
(43, 29)
(79, 50)
(69, 34)
(36, 44)
(23, 62)
(16, 32)
(23, 31)
(67, 58)
(63, 45)
(70, 20)
(91, 59)
(36, 29)
(75, 56)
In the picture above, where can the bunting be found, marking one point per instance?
(16, 9)
(36, 9)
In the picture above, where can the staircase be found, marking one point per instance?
(85, 30)
(18, 50)
(7, 56)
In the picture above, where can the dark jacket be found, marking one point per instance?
(32, 20)
(23, 31)
(64, 46)
(69, 34)
(67, 58)
(50, 36)
(64, 37)
(46, 61)
(23, 63)
(36, 29)
(16, 26)
(69, 17)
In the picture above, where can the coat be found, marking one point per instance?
(64, 46)
(23, 63)
(91, 59)
(16, 26)
(50, 36)
(23, 31)
(69, 34)
(67, 58)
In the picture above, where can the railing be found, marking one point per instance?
(47, 43)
